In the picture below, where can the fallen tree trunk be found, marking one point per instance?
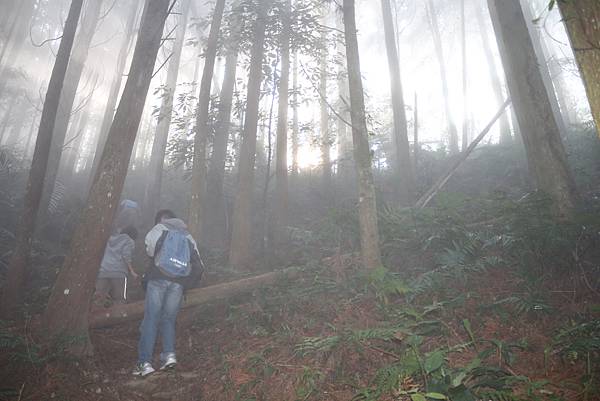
(124, 313)
(430, 194)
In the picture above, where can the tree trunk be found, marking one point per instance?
(200, 296)
(281, 164)
(324, 112)
(6, 121)
(557, 76)
(404, 168)
(345, 166)
(17, 270)
(581, 19)
(295, 122)
(215, 203)
(240, 254)
(18, 35)
(115, 86)
(74, 147)
(30, 136)
(439, 51)
(463, 41)
(541, 136)
(67, 310)
(83, 41)
(505, 136)
(16, 124)
(159, 145)
(367, 207)
(216, 206)
(198, 194)
(538, 46)
(416, 145)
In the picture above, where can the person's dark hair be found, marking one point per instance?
(131, 231)
(164, 214)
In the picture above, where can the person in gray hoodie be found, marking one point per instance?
(115, 267)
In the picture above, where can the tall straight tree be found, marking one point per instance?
(115, 86)
(295, 122)
(281, 163)
(76, 136)
(581, 19)
(240, 254)
(463, 41)
(323, 106)
(541, 136)
(537, 41)
(199, 168)
(81, 48)
(16, 36)
(17, 270)
(161, 136)
(495, 77)
(367, 206)
(215, 207)
(344, 137)
(67, 310)
(439, 51)
(404, 170)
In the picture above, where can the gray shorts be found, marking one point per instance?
(115, 287)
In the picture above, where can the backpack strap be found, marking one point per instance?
(159, 244)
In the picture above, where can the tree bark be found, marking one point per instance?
(281, 163)
(198, 195)
(505, 136)
(74, 147)
(439, 51)
(345, 165)
(89, 21)
(159, 145)
(200, 296)
(115, 86)
(11, 52)
(416, 145)
(216, 206)
(240, 254)
(581, 19)
(17, 270)
(295, 122)
(367, 207)
(68, 306)
(541, 136)
(6, 121)
(538, 47)
(463, 41)
(404, 168)
(325, 140)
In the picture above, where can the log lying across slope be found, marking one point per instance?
(134, 311)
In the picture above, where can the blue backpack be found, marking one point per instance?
(173, 258)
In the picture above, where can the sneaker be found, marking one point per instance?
(143, 369)
(169, 361)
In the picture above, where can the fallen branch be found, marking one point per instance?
(432, 192)
(124, 313)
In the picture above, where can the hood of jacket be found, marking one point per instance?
(176, 224)
(118, 240)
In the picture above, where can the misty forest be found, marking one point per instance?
(350, 200)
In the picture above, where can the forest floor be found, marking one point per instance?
(486, 316)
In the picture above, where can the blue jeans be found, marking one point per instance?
(163, 299)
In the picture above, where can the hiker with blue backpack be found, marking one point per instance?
(175, 267)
